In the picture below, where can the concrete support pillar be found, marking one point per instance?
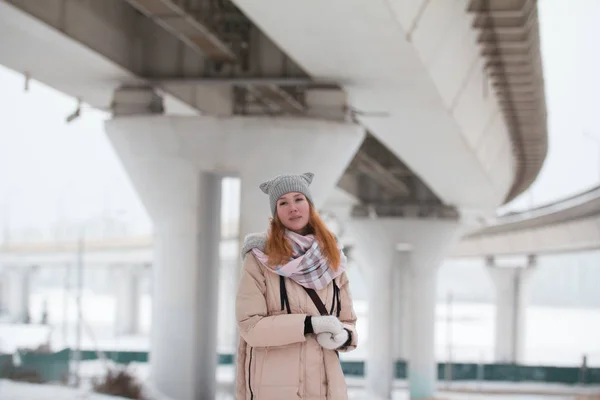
(401, 312)
(512, 285)
(422, 368)
(184, 313)
(338, 207)
(418, 246)
(380, 357)
(184, 203)
(128, 295)
(172, 162)
(227, 288)
(340, 204)
(385, 337)
(16, 288)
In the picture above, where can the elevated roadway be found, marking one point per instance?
(566, 225)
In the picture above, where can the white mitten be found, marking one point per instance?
(332, 342)
(326, 323)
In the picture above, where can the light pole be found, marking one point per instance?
(80, 255)
(65, 301)
(80, 252)
(448, 371)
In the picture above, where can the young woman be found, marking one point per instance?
(293, 306)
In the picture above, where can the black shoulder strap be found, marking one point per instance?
(336, 305)
(285, 302)
(317, 300)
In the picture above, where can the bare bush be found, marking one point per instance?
(119, 382)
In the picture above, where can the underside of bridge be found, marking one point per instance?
(210, 55)
(264, 81)
(237, 52)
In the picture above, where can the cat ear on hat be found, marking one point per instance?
(265, 186)
(308, 177)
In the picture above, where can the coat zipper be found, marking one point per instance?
(249, 376)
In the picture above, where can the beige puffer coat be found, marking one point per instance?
(275, 359)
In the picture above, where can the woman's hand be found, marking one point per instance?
(327, 323)
(332, 342)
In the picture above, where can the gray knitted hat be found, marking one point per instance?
(283, 184)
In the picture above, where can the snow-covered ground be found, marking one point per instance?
(10, 390)
(463, 391)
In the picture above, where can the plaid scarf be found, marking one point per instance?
(307, 266)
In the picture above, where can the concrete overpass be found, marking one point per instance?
(409, 94)
(566, 225)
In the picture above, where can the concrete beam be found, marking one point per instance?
(88, 49)
(174, 18)
(83, 49)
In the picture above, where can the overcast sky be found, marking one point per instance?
(51, 170)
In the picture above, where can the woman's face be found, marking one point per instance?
(293, 210)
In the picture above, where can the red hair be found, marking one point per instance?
(279, 250)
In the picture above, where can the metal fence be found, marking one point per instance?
(55, 367)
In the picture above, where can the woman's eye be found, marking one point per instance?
(283, 203)
(298, 200)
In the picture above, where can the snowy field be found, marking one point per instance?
(554, 336)
(22, 391)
